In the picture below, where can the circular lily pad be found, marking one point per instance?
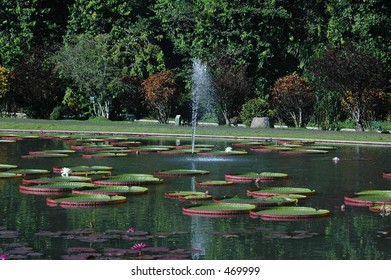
(270, 149)
(213, 183)
(387, 175)
(260, 202)
(7, 141)
(47, 180)
(181, 172)
(59, 187)
(85, 200)
(127, 143)
(270, 191)
(304, 151)
(5, 175)
(113, 190)
(252, 176)
(369, 198)
(129, 179)
(249, 144)
(7, 166)
(52, 152)
(218, 209)
(223, 153)
(188, 195)
(51, 155)
(385, 207)
(289, 213)
(318, 147)
(151, 149)
(86, 170)
(27, 171)
(104, 155)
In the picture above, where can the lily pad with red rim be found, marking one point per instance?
(113, 190)
(7, 175)
(270, 191)
(188, 195)
(28, 171)
(104, 155)
(180, 172)
(58, 188)
(260, 202)
(129, 179)
(85, 200)
(369, 198)
(223, 153)
(51, 155)
(290, 213)
(46, 180)
(387, 175)
(218, 209)
(215, 183)
(252, 176)
(52, 152)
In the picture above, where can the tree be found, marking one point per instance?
(160, 93)
(87, 62)
(35, 88)
(358, 76)
(231, 88)
(293, 100)
(28, 24)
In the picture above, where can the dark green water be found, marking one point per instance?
(349, 234)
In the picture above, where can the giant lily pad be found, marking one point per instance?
(270, 191)
(260, 202)
(369, 198)
(28, 171)
(113, 190)
(218, 209)
(304, 151)
(86, 170)
(180, 172)
(188, 195)
(387, 175)
(48, 155)
(252, 176)
(7, 166)
(47, 180)
(129, 179)
(59, 187)
(223, 153)
(104, 155)
(212, 183)
(52, 152)
(85, 200)
(5, 175)
(289, 213)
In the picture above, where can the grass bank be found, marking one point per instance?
(143, 128)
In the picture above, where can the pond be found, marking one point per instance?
(30, 229)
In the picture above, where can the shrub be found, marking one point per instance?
(255, 107)
(293, 100)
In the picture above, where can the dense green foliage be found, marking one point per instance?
(104, 50)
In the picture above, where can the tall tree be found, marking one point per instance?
(87, 62)
(358, 76)
(27, 24)
(35, 88)
(160, 93)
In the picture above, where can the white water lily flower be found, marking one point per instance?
(65, 171)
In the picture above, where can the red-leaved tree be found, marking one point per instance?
(293, 100)
(159, 92)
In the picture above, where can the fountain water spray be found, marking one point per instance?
(201, 95)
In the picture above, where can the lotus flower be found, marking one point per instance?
(3, 257)
(131, 230)
(228, 149)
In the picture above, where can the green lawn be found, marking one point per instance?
(141, 128)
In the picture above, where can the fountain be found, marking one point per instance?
(201, 94)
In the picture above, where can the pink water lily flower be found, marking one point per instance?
(139, 246)
(3, 257)
(131, 230)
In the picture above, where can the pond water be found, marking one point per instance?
(355, 233)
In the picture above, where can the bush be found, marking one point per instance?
(56, 114)
(255, 107)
